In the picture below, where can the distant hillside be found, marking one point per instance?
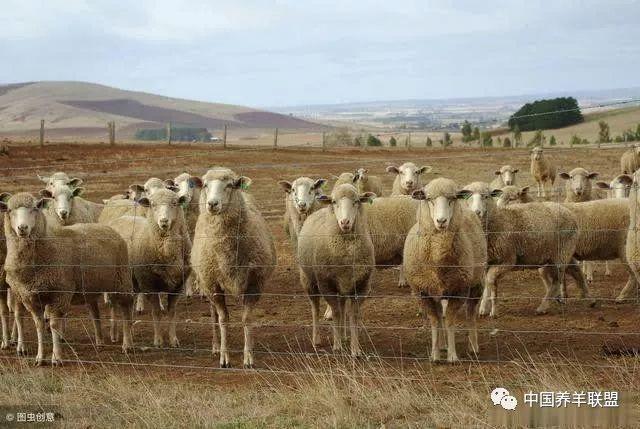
(80, 109)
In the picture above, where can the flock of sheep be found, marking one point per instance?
(204, 234)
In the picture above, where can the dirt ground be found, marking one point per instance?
(394, 333)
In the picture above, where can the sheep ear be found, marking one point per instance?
(195, 182)
(524, 191)
(497, 172)
(318, 184)
(393, 169)
(625, 179)
(136, 189)
(3, 207)
(463, 194)
(242, 182)
(42, 203)
(74, 182)
(356, 177)
(495, 193)
(4, 197)
(45, 193)
(516, 170)
(592, 176)
(564, 175)
(603, 185)
(144, 202)
(367, 197)
(324, 199)
(424, 169)
(77, 191)
(183, 201)
(44, 179)
(286, 186)
(418, 195)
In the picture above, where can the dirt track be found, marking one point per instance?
(393, 332)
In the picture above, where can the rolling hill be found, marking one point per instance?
(82, 110)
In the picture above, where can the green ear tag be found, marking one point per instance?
(370, 200)
(466, 197)
(184, 205)
(324, 185)
(244, 186)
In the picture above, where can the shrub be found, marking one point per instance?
(547, 114)
(486, 139)
(552, 141)
(537, 139)
(393, 142)
(603, 133)
(429, 142)
(373, 140)
(506, 142)
(341, 137)
(446, 139)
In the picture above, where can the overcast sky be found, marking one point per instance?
(268, 53)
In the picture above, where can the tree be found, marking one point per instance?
(517, 135)
(575, 140)
(340, 137)
(506, 142)
(429, 142)
(373, 140)
(476, 135)
(357, 141)
(552, 141)
(446, 139)
(547, 114)
(603, 134)
(466, 132)
(537, 139)
(638, 132)
(629, 135)
(487, 141)
(393, 142)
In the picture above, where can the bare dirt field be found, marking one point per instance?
(573, 347)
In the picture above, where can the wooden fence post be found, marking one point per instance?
(169, 133)
(275, 140)
(41, 132)
(111, 125)
(324, 142)
(224, 137)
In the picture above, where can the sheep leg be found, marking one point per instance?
(354, 321)
(552, 285)
(54, 325)
(188, 286)
(344, 304)
(247, 311)
(328, 313)
(314, 299)
(588, 269)
(172, 307)
(17, 325)
(125, 304)
(432, 315)
(472, 318)
(223, 319)
(94, 312)
(215, 346)
(10, 300)
(156, 315)
(450, 308)
(37, 314)
(140, 303)
(402, 282)
(334, 303)
(630, 290)
(4, 310)
(539, 192)
(573, 269)
(114, 334)
(491, 286)
(607, 269)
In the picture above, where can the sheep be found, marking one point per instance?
(344, 178)
(632, 247)
(513, 194)
(619, 187)
(336, 258)
(367, 183)
(59, 179)
(407, 177)
(578, 187)
(4, 290)
(159, 247)
(525, 236)
(506, 176)
(300, 202)
(630, 161)
(445, 256)
(42, 269)
(69, 208)
(542, 170)
(233, 253)
(189, 186)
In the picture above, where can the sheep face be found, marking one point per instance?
(219, 189)
(536, 153)
(508, 174)
(478, 202)
(24, 212)
(62, 197)
(619, 187)
(360, 175)
(409, 175)
(511, 195)
(580, 180)
(303, 192)
(186, 185)
(346, 203)
(59, 179)
(164, 208)
(440, 199)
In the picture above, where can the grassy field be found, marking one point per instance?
(574, 347)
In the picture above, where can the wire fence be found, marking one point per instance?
(286, 312)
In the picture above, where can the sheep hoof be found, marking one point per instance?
(592, 302)
(4, 345)
(174, 343)
(55, 362)
(249, 366)
(21, 352)
(541, 311)
(39, 362)
(225, 365)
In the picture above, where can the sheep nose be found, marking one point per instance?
(344, 223)
(410, 183)
(441, 221)
(213, 205)
(64, 214)
(478, 212)
(22, 228)
(163, 222)
(302, 205)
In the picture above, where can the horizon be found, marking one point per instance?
(285, 54)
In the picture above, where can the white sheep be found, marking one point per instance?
(4, 290)
(159, 248)
(300, 202)
(525, 236)
(189, 186)
(632, 242)
(233, 253)
(630, 161)
(68, 208)
(513, 194)
(42, 269)
(367, 183)
(344, 178)
(542, 170)
(506, 176)
(578, 187)
(336, 259)
(407, 177)
(445, 256)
